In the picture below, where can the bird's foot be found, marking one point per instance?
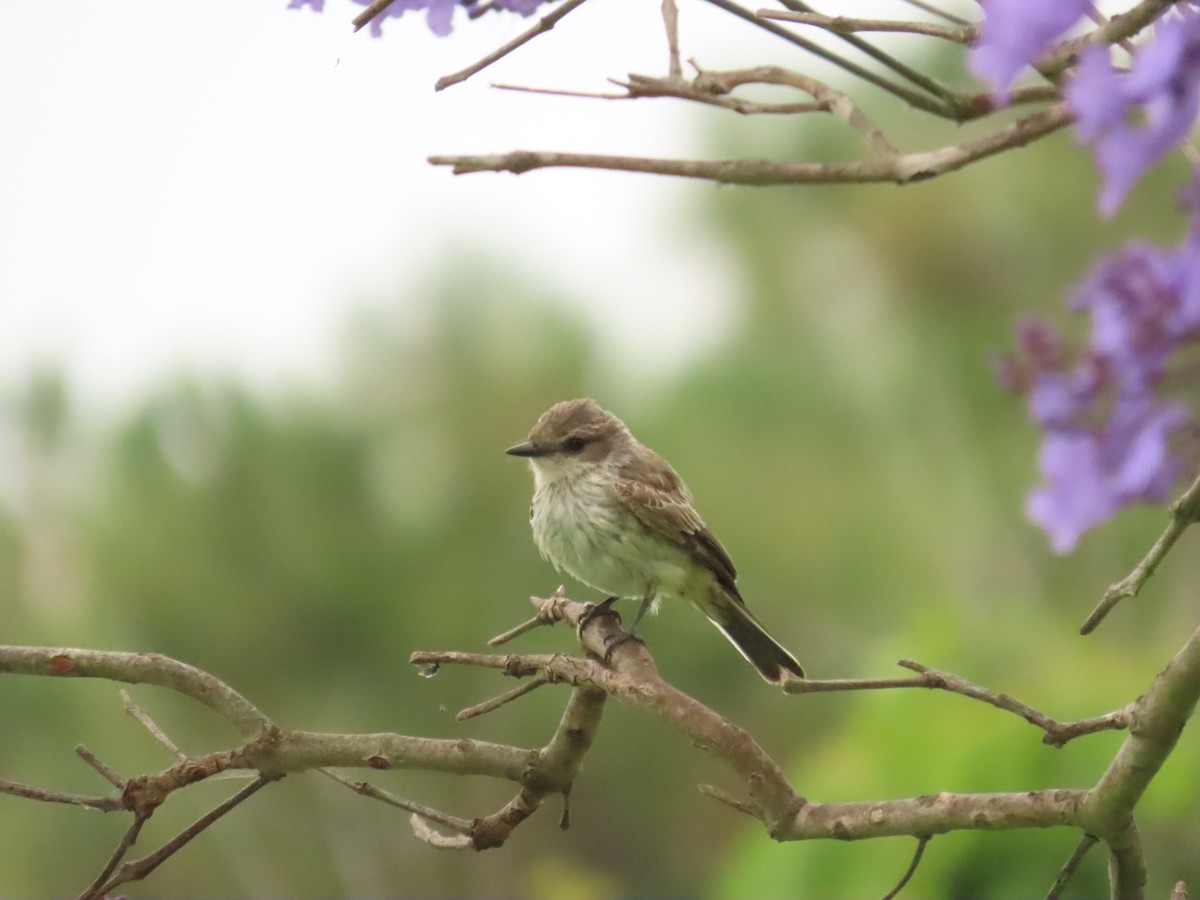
(613, 642)
(603, 608)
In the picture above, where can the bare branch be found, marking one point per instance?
(1126, 865)
(150, 725)
(138, 668)
(549, 609)
(546, 23)
(838, 103)
(671, 21)
(640, 86)
(962, 34)
(1067, 872)
(1116, 30)
(104, 804)
(1184, 512)
(937, 11)
(376, 8)
(516, 693)
(428, 813)
(930, 815)
(554, 771)
(956, 105)
(140, 868)
(901, 169)
(1156, 720)
(94, 761)
(728, 799)
(1056, 733)
(127, 840)
(423, 832)
(937, 104)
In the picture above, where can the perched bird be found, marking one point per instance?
(612, 513)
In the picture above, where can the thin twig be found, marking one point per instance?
(127, 840)
(671, 21)
(962, 34)
(1099, 18)
(139, 668)
(366, 789)
(913, 98)
(912, 868)
(548, 92)
(1067, 872)
(549, 609)
(902, 169)
(487, 706)
(423, 832)
(140, 868)
(640, 86)
(1184, 512)
(957, 106)
(1056, 733)
(150, 725)
(838, 103)
(105, 772)
(934, 10)
(1118, 29)
(45, 795)
(544, 24)
(375, 9)
(742, 806)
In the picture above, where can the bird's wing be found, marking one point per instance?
(656, 496)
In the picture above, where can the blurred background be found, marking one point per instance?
(259, 364)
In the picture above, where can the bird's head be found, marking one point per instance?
(571, 436)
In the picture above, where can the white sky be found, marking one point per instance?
(204, 184)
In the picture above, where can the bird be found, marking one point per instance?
(612, 513)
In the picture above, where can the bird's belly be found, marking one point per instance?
(606, 547)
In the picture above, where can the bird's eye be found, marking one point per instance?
(574, 444)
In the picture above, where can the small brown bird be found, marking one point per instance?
(613, 513)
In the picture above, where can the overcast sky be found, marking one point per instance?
(202, 185)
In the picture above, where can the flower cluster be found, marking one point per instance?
(1163, 86)
(1107, 428)
(439, 14)
(1131, 119)
(1016, 33)
(1108, 431)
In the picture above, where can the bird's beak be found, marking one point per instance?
(526, 448)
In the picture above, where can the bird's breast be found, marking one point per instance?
(581, 527)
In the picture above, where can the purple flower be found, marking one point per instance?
(1135, 308)
(1106, 429)
(397, 9)
(1089, 474)
(523, 7)
(439, 14)
(1163, 84)
(1015, 33)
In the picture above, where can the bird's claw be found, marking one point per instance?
(603, 608)
(612, 642)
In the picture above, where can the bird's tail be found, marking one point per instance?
(766, 654)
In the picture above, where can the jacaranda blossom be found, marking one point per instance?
(439, 14)
(1106, 416)
(1017, 32)
(1132, 120)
